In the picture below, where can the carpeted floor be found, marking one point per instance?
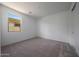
(38, 47)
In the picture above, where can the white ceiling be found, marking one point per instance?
(39, 9)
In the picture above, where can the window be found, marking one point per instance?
(14, 23)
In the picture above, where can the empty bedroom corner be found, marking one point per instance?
(39, 29)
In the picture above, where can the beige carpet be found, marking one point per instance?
(38, 47)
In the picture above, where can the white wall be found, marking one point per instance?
(76, 32)
(0, 29)
(54, 27)
(70, 24)
(73, 28)
(28, 28)
(0, 26)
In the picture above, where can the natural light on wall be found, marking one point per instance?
(14, 23)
